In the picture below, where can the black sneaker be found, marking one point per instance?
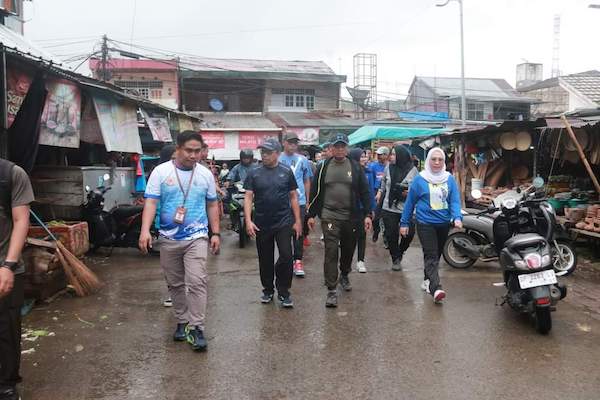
(266, 298)
(345, 283)
(286, 301)
(180, 334)
(331, 299)
(9, 393)
(195, 337)
(397, 264)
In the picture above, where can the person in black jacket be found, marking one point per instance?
(339, 188)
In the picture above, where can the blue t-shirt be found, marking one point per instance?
(434, 203)
(302, 170)
(378, 171)
(271, 188)
(163, 186)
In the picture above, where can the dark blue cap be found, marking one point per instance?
(340, 138)
(271, 144)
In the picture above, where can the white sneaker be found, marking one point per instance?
(438, 296)
(425, 286)
(360, 267)
(168, 302)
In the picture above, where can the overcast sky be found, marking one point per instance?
(409, 36)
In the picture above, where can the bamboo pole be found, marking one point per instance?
(581, 154)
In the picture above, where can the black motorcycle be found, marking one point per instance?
(526, 262)
(119, 227)
(476, 241)
(236, 195)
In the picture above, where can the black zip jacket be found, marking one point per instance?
(360, 189)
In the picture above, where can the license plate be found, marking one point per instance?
(542, 278)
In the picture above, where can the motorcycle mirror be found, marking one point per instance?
(106, 177)
(87, 188)
(538, 182)
(476, 194)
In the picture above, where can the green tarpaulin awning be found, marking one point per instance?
(373, 132)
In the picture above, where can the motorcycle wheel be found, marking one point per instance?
(453, 256)
(242, 233)
(569, 257)
(543, 320)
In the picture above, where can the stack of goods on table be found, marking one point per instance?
(591, 222)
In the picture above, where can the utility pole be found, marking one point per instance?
(104, 61)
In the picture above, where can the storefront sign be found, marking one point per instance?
(251, 140)
(185, 124)
(17, 86)
(61, 119)
(118, 123)
(159, 126)
(307, 135)
(214, 140)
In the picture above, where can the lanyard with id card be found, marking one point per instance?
(180, 212)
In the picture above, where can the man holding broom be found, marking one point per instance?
(187, 194)
(15, 195)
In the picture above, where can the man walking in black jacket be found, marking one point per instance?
(339, 188)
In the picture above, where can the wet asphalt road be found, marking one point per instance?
(386, 340)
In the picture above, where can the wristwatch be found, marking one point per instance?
(12, 265)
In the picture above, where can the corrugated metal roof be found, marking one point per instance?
(15, 41)
(243, 65)
(587, 85)
(320, 119)
(475, 88)
(235, 121)
(552, 82)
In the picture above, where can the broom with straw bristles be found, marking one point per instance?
(83, 280)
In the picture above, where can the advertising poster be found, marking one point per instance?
(159, 126)
(214, 140)
(307, 135)
(251, 140)
(17, 86)
(118, 123)
(61, 119)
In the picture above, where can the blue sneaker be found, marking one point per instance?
(266, 298)
(195, 337)
(286, 301)
(180, 334)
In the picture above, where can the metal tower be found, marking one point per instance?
(556, 48)
(365, 79)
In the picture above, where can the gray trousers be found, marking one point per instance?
(184, 265)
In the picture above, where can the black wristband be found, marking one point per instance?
(216, 234)
(12, 265)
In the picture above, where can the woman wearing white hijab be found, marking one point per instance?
(436, 198)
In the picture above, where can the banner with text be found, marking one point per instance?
(214, 140)
(251, 140)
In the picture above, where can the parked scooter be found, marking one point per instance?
(526, 262)
(119, 227)
(476, 241)
(236, 212)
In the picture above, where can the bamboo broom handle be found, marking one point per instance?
(581, 154)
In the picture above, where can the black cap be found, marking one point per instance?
(270, 144)
(290, 136)
(340, 138)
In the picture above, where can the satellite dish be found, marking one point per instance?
(216, 104)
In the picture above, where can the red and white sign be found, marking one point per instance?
(214, 140)
(17, 86)
(251, 140)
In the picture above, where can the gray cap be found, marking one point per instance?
(290, 136)
(383, 150)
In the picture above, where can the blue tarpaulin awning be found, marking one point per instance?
(375, 132)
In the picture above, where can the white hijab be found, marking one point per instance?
(435, 178)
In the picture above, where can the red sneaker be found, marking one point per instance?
(306, 242)
(298, 269)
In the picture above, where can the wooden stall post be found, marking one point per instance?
(581, 154)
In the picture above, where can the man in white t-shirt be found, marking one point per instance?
(187, 194)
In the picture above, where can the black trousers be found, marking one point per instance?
(281, 271)
(361, 239)
(432, 237)
(10, 334)
(340, 241)
(299, 242)
(397, 244)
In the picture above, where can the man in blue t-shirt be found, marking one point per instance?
(378, 171)
(272, 189)
(302, 170)
(188, 198)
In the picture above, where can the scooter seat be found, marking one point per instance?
(524, 240)
(122, 212)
